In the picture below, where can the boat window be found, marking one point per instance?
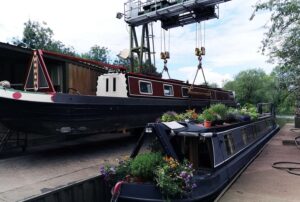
(229, 144)
(107, 83)
(168, 90)
(145, 87)
(114, 84)
(184, 92)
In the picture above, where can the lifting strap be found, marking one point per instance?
(165, 69)
(199, 67)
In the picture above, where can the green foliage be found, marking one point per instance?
(122, 170)
(173, 116)
(97, 53)
(254, 86)
(249, 110)
(208, 115)
(174, 179)
(39, 36)
(200, 118)
(249, 86)
(143, 165)
(282, 44)
(170, 116)
(220, 110)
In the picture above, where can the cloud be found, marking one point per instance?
(188, 73)
(232, 41)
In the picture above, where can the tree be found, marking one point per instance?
(146, 68)
(282, 42)
(254, 86)
(37, 36)
(97, 53)
(249, 86)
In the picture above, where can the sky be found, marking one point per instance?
(232, 42)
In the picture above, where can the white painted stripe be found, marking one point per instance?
(26, 96)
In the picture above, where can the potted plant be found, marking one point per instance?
(208, 117)
(220, 111)
(231, 115)
(173, 178)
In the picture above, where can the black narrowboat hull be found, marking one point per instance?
(210, 183)
(77, 114)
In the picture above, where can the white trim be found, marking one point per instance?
(172, 90)
(182, 91)
(145, 82)
(26, 96)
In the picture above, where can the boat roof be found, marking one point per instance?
(61, 57)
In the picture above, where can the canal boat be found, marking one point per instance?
(218, 155)
(122, 101)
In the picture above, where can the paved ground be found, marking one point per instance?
(261, 182)
(39, 171)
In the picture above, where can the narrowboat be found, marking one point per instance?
(122, 101)
(218, 154)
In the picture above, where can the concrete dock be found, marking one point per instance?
(47, 168)
(261, 182)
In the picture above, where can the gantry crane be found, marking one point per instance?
(171, 13)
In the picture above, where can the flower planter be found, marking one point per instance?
(207, 124)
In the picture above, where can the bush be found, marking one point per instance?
(220, 110)
(208, 115)
(174, 178)
(144, 165)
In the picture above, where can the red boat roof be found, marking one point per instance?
(82, 60)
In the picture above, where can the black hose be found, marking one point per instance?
(290, 167)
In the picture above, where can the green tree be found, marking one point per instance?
(39, 36)
(98, 53)
(282, 42)
(254, 86)
(249, 86)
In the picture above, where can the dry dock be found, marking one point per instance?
(44, 169)
(261, 182)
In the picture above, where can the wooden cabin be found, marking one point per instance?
(68, 74)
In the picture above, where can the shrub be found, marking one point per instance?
(169, 116)
(143, 165)
(174, 179)
(208, 115)
(220, 110)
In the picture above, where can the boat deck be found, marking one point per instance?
(261, 182)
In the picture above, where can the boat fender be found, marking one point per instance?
(5, 84)
(116, 191)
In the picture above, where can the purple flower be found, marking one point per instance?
(183, 174)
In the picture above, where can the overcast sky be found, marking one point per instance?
(232, 41)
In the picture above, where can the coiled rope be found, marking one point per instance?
(288, 166)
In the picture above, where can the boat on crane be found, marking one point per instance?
(123, 100)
